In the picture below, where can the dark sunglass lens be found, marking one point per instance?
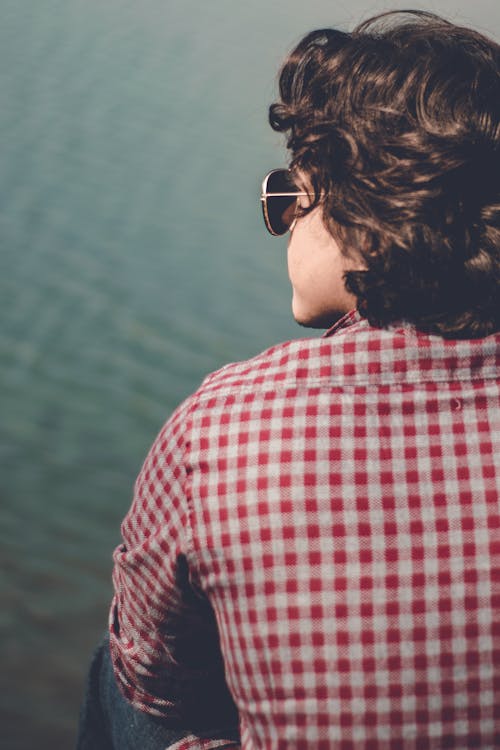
(280, 213)
(280, 208)
(280, 181)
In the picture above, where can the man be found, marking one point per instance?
(313, 549)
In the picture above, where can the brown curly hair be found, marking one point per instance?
(397, 127)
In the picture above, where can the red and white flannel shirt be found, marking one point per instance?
(336, 501)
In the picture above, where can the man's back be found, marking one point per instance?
(336, 500)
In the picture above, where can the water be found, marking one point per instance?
(133, 261)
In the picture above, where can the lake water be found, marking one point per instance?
(133, 261)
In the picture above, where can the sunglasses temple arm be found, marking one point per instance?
(281, 195)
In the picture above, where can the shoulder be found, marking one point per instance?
(299, 362)
(353, 353)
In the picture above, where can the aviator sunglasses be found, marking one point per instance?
(279, 200)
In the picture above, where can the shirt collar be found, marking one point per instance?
(349, 319)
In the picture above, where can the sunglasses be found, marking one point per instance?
(279, 201)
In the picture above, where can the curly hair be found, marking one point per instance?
(397, 127)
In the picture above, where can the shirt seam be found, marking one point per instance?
(186, 485)
(229, 390)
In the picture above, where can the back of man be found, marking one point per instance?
(339, 500)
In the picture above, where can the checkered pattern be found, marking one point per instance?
(336, 500)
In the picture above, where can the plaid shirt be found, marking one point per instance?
(336, 502)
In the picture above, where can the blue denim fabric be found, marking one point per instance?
(109, 722)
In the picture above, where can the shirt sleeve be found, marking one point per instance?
(163, 636)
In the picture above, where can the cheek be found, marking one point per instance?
(313, 283)
(295, 263)
(316, 268)
(312, 266)
(302, 249)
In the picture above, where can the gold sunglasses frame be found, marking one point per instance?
(265, 195)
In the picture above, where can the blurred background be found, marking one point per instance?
(133, 140)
